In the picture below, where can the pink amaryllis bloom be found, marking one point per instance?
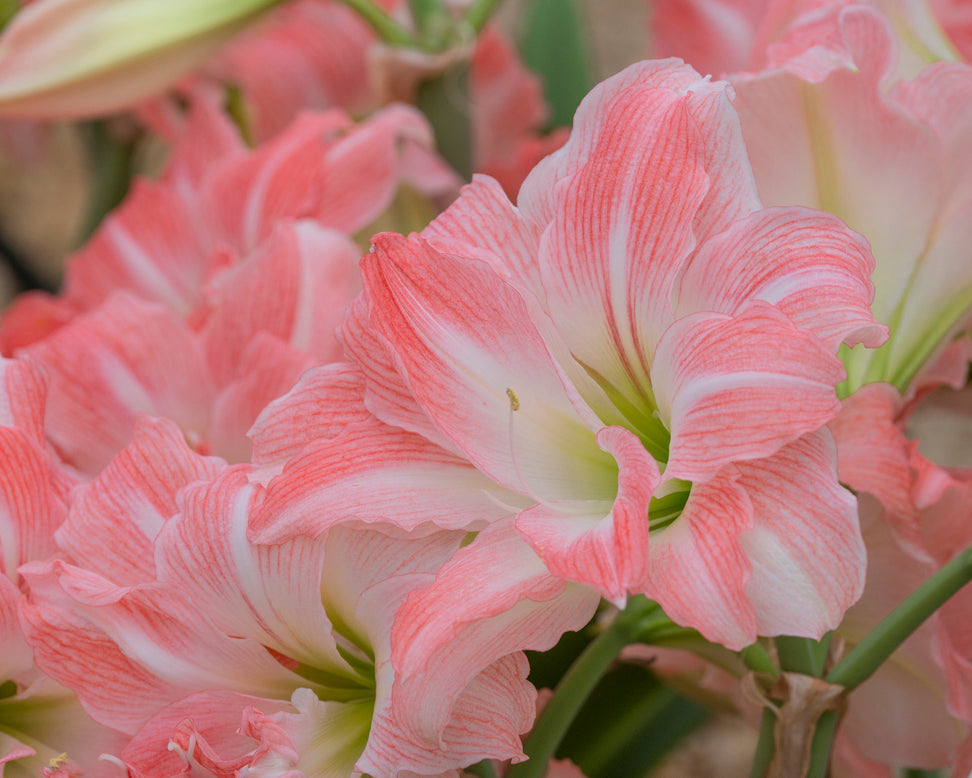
(42, 727)
(829, 124)
(641, 357)
(219, 656)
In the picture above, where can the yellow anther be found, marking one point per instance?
(514, 400)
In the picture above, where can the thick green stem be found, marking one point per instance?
(868, 655)
(112, 163)
(802, 655)
(479, 13)
(445, 102)
(387, 28)
(757, 659)
(765, 746)
(575, 687)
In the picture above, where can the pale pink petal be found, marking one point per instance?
(699, 569)
(323, 402)
(375, 473)
(150, 246)
(304, 55)
(739, 388)
(387, 395)
(23, 396)
(622, 230)
(364, 168)
(127, 357)
(872, 452)
(493, 598)
(313, 273)
(805, 263)
(271, 594)
(32, 502)
(482, 373)
(113, 521)
(282, 179)
(805, 544)
(213, 717)
(267, 369)
(15, 655)
(608, 552)
(129, 651)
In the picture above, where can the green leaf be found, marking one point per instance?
(554, 46)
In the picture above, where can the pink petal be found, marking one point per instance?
(322, 403)
(127, 357)
(493, 598)
(271, 594)
(699, 569)
(609, 553)
(805, 544)
(740, 388)
(114, 520)
(129, 651)
(805, 263)
(483, 373)
(375, 473)
(313, 273)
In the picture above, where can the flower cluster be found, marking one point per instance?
(269, 507)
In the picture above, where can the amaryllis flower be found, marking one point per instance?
(642, 356)
(42, 725)
(829, 125)
(218, 655)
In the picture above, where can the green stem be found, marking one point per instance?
(479, 13)
(765, 746)
(575, 687)
(823, 739)
(387, 28)
(802, 655)
(868, 655)
(482, 769)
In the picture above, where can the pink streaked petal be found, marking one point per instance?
(736, 192)
(149, 246)
(484, 224)
(15, 655)
(23, 396)
(271, 594)
(375, 473)
(387, 394)
(622, 231)
(493, 598)
(323, 402)
(805, 546)
(805, 263)
(483, 372)
(837, 145)
(314, 274)
(32, 502)
(113, 521)
(363, 169)
(740, 388)
(267, 369)
(872, 452)
(486, 722)
(282, 180)
(127, 357)
(213, 717)
(608, 552)
(128, 651)
(699, 569)
(201, 136)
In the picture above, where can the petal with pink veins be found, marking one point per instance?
(738, 388)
